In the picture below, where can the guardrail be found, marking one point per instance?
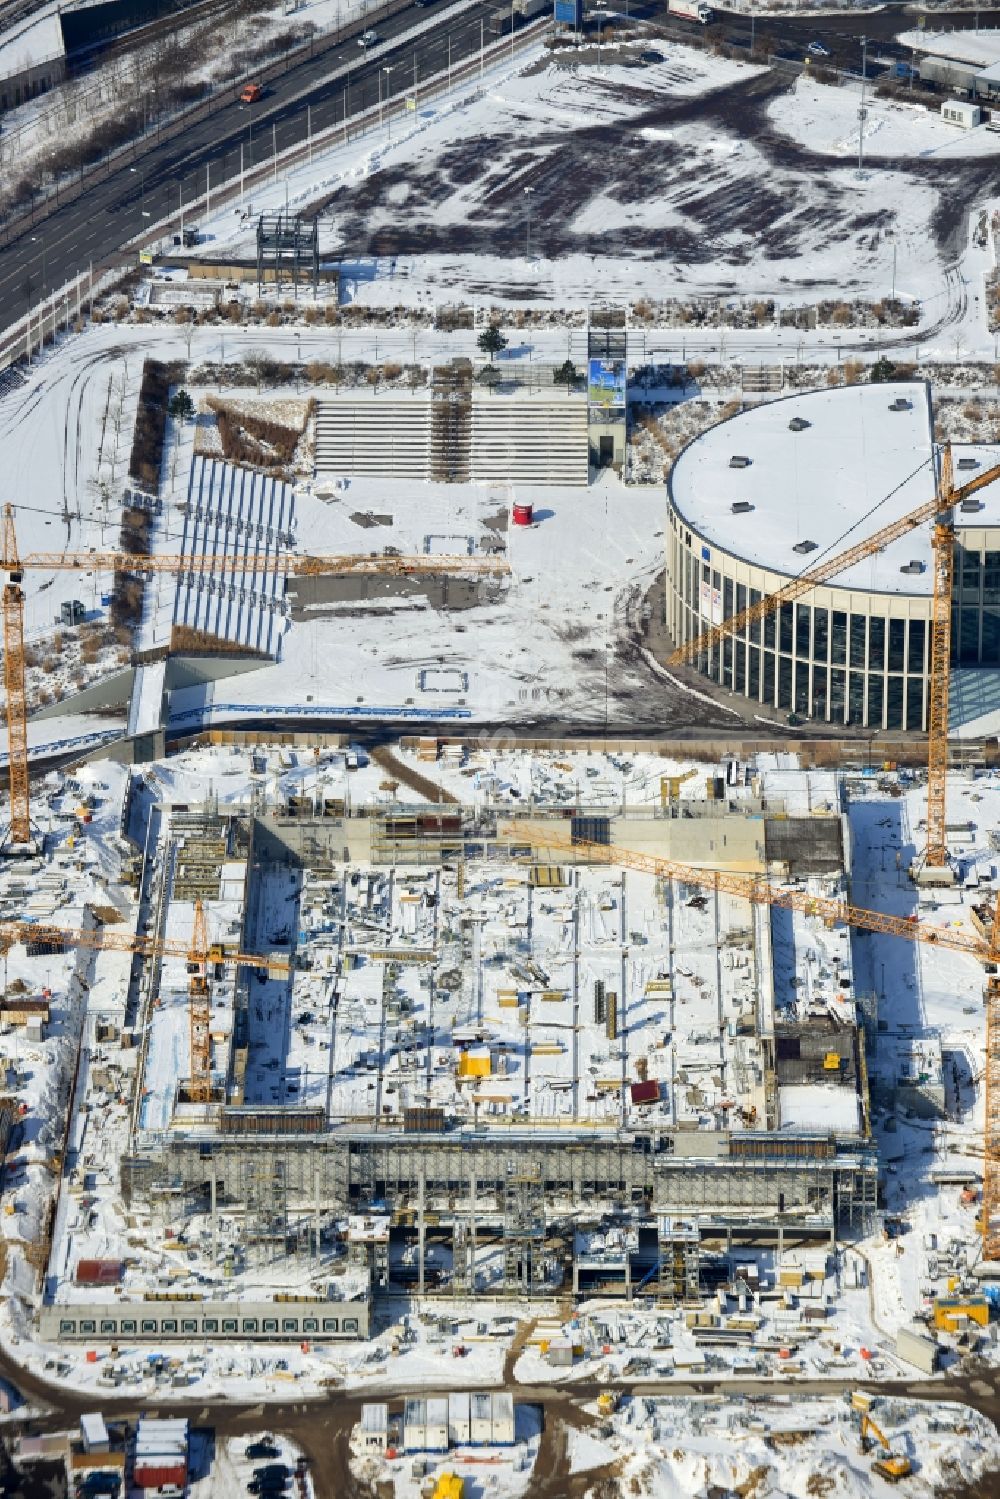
(41, 323)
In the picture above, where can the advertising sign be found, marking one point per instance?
(569, 13)
(606, 382)
(711, 604)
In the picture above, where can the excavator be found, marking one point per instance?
(890, 1465)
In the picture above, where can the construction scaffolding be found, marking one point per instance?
(287, 249)
(524, 1232)
(679, 1261)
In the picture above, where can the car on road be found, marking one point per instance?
(368, 38)
(651, 57)
(251, 93)
(262, 1448)
(816, 49)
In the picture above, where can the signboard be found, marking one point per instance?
(411, 103)
(606, 382)
(711, 604)
(569, 13)
(145, 257)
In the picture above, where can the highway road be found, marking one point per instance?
(92, 229)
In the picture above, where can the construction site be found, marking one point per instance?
(317, 1024)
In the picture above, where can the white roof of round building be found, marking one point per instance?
(856, 467)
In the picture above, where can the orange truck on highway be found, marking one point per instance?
(251, 93)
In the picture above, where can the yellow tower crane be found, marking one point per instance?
(536, 836)
(13, 675)
(946, 497)
(290, 564)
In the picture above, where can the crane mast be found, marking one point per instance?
(199, 1086)
(294, 565)
(13, 674)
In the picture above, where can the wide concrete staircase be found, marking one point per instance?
(386, 435)
(538, 438)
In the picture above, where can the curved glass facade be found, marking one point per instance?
(839, 655)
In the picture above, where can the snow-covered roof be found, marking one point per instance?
(981, 48)
(93, 1429)
(818, 1107)
(31, 45)
(374, 1418)
(858, 465)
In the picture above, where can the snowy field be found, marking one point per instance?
(825, 119)
(631, 170)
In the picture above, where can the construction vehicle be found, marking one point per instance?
(250, 93)
(289, 564)
(890, 1466)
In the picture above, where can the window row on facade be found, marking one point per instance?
(842, 665)
(82, 1327)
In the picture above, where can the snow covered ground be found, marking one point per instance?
(785, 1448)
(631, 220)
(825, 119)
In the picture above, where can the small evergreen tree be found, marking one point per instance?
(492, 341)
(883, 370)
(566, 374)
(181, 406)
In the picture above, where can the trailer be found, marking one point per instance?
(690, 10)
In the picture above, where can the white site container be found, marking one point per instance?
(459, 1416)
(957, 112)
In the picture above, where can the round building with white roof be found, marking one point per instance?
(780, 488)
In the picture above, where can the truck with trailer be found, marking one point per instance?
(690, 10)
(505, 19)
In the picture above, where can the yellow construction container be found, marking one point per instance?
(831, 1062)
(554, 994)
(792, 1276)
(507, 1002)
(948, 1310)
(546, 1049)
(474, 1064)
(449, 1486)
(658, 986)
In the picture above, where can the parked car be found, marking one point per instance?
(816, 49)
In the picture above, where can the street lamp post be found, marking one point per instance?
(36, 239)
(862, 112)
(141, 174)
(387, 69)
(527, 239)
